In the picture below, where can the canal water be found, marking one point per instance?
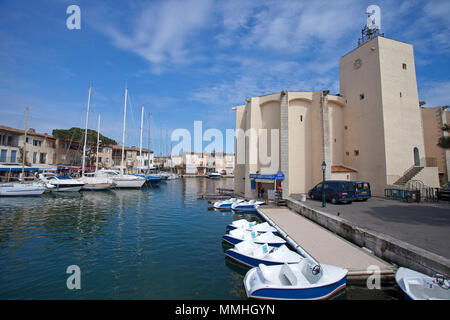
(153, 243)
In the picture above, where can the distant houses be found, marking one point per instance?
(44, 151)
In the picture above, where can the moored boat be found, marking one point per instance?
(14, 189)
(299, 281)
(214, 175)
(226, 204)
(251, 205)
(251, 226)
(418, 286)
(61, 183)
(238, 235)
(251, 254)
(122, 181)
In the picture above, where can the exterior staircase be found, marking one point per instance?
(279, 201)
(409, 174)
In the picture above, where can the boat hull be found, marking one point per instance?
(319, 292)
(251, 262)
(67, 188)
(136, 184)
(17, 191)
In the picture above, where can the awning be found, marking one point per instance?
(278, 176)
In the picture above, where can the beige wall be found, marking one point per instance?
(432, 126)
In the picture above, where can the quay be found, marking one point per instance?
(326, 247)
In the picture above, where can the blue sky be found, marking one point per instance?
(193, 59)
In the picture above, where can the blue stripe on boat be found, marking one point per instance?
(322, 292)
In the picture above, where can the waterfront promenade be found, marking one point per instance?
(324, 246)
(425, 225)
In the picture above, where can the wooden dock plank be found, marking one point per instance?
(325, 246)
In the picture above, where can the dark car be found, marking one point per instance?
(444, 192)
(362, 190)
(335, 191)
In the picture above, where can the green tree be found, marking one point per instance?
(444, 141)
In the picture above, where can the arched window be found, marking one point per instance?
(416, 157)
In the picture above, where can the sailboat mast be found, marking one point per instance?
(24, 147)
(98, 140)
(123, 131)
(140, 142)
(85, 131)
(149, 141)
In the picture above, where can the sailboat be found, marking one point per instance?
(120, 179)
(93, 182)
(22, 189)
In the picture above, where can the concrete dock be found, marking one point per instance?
(326, 247)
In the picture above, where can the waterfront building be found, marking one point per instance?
(433, 120)
(195, 163)
(370, 131)
(133, 162)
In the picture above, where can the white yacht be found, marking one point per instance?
(21, 189)
(122, 180)
(57, 183)
(96, 183)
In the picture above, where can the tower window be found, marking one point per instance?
(404, 66)
(345, 127)
(347, 153)
(301, 118)
(400, 94)
(356, 152)
(361, 96)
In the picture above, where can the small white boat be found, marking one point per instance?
(251, 226)
(21, 189)
(226, 204)
(61, 184)
(238, 235)
(251, 205)
(95, 183)
(213, 175)
(251, 254)
(122, 181)
(418, 286)
(299, 281)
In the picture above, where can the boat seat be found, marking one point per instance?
(264, 272)
(262, 251)
(310, 270)
(289, 274)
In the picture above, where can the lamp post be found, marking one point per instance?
(324, 166)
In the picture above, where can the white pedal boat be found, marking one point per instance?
(300, 281)
(251, 205)
(226, 204)
(238, 235)
(251, 254)
(418, 286)
(251, 226)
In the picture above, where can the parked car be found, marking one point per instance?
(362, 190)
(335, 191)
(443, 193)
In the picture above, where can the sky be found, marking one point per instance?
(192, 60)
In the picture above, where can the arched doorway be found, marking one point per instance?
(416, 156)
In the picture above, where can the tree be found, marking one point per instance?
(444, 141)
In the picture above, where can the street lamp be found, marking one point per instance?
(324, 203)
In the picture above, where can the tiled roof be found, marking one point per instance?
(31, 132)
(341, 169)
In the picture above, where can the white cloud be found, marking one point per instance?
(160, 33)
